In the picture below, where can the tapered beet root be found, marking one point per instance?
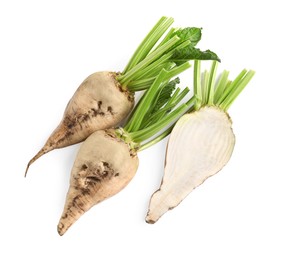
(99, 103)
(105, 164)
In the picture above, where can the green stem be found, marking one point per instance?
(167, 37)
(238, 89)
(150, 68)
(146, 133)
(136, 119)
(156, 139)
(143, 81)
(221, 85)
(190, 103)
(211, 82)
(224, 93)
(148, 43)
(173, 101)
(130, 75)
(144, 68)
(204, 85)
(141, 84)
(178, 98)
(231, 86)
(166, 132)
(159, 114)
(177, 70)
(140, 111)
(173, 97)
(197, 84)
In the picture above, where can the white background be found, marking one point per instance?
(48, 47)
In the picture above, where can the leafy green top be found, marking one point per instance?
(177, 47)
(155, 110)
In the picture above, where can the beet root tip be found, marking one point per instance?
(60, 229)
(149, 220)
(43, 151)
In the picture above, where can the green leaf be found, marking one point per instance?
(165, 94)
(191, 53)
(189, 33)
(162, 97)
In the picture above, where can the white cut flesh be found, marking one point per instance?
(200, 145)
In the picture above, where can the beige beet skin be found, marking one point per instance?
(104, 165)
(99, 103)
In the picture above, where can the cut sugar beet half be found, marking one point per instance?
(201, 142)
